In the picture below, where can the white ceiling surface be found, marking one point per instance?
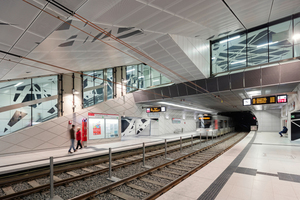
(30, 32)
(167, 52)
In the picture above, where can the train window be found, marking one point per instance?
(220, 124)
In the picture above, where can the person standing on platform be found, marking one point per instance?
(78, 138)
(72, 137)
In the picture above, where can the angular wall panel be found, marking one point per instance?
(191, 88)
(289, 72)
(223, 83)
(237, 81)
(182, 91)
(270, 75)
(252, 78)
(212, 85)
(173, 91)
(202, 84)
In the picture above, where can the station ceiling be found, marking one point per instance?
(35, 29)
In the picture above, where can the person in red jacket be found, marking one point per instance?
(78, 138)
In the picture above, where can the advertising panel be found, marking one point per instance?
(95, 128)
(103, 126)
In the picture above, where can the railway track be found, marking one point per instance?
(152, 183)
(63, 180)
(118, 158)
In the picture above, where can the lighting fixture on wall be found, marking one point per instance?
(233, 38)
(130, 70)
(18, 84)
(238, 62)
(296, 37)
(186, 107)
(75, 91)
(266, 44)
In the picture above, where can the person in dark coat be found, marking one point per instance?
(72, 137)
(78, 138)
(283, 131)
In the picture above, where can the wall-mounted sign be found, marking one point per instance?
(264, 100)
(176, 121)
(156, 109)
(153, 115)
(246, 102)
(282, 98)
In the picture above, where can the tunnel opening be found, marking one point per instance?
(242, 121)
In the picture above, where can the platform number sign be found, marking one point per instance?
(282, 99)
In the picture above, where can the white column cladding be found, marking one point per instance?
(68, 93)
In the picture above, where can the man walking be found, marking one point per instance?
(72, 137)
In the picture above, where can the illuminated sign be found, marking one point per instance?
(282, 98)
(246, 102)
(205, 118)
(156, 109)
(264, 100)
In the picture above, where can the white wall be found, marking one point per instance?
(293, 105)
(54, 133)
(165, 125)
(268, 120)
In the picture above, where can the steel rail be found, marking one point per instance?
(188, 174)
(123, 181)
(83, 176)
(62, 168)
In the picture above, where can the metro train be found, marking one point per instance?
(213, 125)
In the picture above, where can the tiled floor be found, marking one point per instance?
(15, 162)
(258, 176)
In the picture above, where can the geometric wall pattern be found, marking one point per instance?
(53, 134)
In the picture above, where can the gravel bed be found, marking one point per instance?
(79, 171)
(137, 194)
(1, 193)
(36, 196)
(83, 186)
(63, 176)
(146, 185)
(174, 176)
(43, 181)
(108, 196)
(153, 162)
(127, 171)
(105, 164)
(21, 186)
(157, 179)
(93, 168)
(176, 171)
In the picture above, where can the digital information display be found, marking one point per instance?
(264, 100)
(205, 118)
(156, 109)
(246, 102)
(282, 98)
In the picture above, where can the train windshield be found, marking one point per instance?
(205, 122)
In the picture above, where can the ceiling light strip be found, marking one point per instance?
(187, 107)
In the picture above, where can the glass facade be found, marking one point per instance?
(94, 83)
(26, 90)
(143, 76)
(278, 41)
